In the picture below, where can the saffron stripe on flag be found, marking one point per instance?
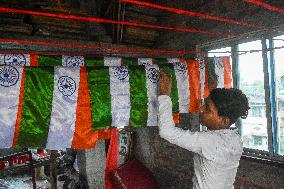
(34, 60)
(84, 136)
(99, 86)
(37, 107)
(194, 85)
(227, 72)
(10, 85)
(20, 108)
(112, 160)
(64, 105)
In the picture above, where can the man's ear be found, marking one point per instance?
(226, 121)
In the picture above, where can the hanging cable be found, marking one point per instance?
(101, 20)
(265, 5)
(134, 53)
(101, 48)
(190, 13)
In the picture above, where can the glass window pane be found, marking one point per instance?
(279, 74)
(254, 127)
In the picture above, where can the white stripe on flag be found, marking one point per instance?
(120, 96)
(219, 70)
(182, 84)
(10, 84)
(64, 105)
(152, 78)
(15, 59)
(202, 76)
(112, 61)
(72, 61)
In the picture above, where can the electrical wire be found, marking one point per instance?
(191, 13)
(101, 20)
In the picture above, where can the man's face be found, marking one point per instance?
(209, 116)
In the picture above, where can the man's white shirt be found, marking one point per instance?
(217, 153)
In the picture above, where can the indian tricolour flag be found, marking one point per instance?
(219, 72)
(47, 107)
(12, 79)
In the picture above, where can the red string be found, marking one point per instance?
(100, 20)
(100, 47)
(265, 5)
(191, 13)
(93, 53)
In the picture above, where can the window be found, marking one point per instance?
(262, 136)
(251, 79)
(279, 90)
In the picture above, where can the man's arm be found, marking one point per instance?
(167, 130)
(198, 142)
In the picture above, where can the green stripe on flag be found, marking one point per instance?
(37, 107)
(138, 96)
(94, 62)
(169, 69)
(130, 62)
(45, 60)
(99, 86)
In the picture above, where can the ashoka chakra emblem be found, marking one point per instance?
(74, 61)
(66, 85)
(15, 59)
(121, 72)
(9, 75)
(153, 75)
(181, 67)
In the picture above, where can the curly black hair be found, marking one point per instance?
(231, 103)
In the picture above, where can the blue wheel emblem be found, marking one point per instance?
(15, 59)
(9, 75)
(181, 67)
(74, 61)
(121, 72)
(66, 85)
(153, 75)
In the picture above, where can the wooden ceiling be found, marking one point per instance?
(21, 26)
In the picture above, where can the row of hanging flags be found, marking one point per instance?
(58, 102)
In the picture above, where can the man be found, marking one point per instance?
(218, 150)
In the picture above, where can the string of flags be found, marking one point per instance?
(59, 102)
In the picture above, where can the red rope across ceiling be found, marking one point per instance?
(265, 5)
(100, 20)
(104, 49)
(190, 13)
